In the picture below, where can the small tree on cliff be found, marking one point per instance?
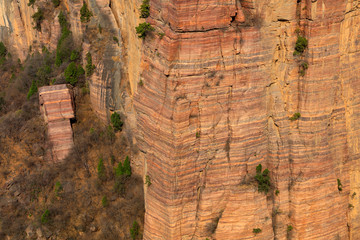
(263, 179)
(116, 121)
(85, 13)
(101, 170)
(143, 29)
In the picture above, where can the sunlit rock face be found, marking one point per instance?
(218, 91)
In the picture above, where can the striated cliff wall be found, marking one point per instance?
(218, 92)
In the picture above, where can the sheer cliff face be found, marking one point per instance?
(218, 92)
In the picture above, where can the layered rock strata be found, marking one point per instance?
(57, 107)
(219, 89)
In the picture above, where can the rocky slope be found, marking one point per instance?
(219, 89)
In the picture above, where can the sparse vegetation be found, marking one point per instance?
(301, 45)
(56, 3)
(141, 83)
(263, 179)
(58, 188)
(89, 66)
(289, 228)
(101, 170)
(64, 46)
(256, 230)
(351, 206)
(74, 55)
(116, 40)
(143, 29)
(33, 89)
(339, 185)
(31, 3)
(161, 34)
(116, 121)
(147, 180)
(197, 134)
(134, 230)
(145, 9)
(85, 13)
(277, 192)
(104, 202)
(3, 50)
(38, 17)
(295, 116)
(45, 217)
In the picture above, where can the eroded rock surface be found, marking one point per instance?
(219, 89)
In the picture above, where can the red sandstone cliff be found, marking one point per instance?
(218, 92)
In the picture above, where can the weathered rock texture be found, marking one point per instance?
(218, 92)
(56, 105)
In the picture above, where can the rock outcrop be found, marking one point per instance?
(57, 107)
(219, 89)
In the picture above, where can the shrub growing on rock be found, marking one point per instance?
(89, 66)
(134, 231)
(145, 9)
(263, 179)
(116, 121)
(38, 18)
(85, 13)
(257, 230)
(101, 170)
(56, 3)
(301, 44)
(3, 50)
(31, 3)
(63, 50)
(295, 116)
(143, 29)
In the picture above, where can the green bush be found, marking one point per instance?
(301, 44)
(104, 201)
(56, 3)
(116, 40)
(147, 180)
(116, 121)
(72, 73)
(89, 66)
(3, 50)
(38, 17)
(85, 13)
(143, 29)
(263, 179)
(45, 217)
(63, 50)
(256, 230)
(295, 116)
(161, 34)
(123, 170)
(101, 170)
(134, 231)
(289, 228)
(127, 167)
(58, 188)
(145, 9)
(33, 89)
(339, 185)
(74, 55)
(31, 3)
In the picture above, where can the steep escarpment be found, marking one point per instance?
(219, 89)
